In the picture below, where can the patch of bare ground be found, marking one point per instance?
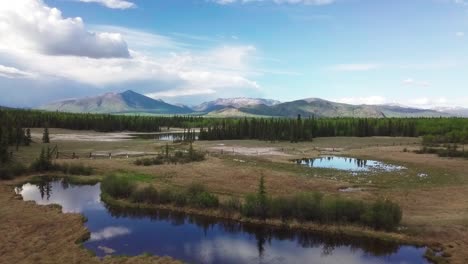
(37, 234)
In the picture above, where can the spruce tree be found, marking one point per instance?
(4, 155)
(45, 136)
(28, 138)
(262, 198)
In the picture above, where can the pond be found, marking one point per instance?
(164, 136)
(207, 240)
(348, 164)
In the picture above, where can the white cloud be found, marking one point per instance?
(13, 73)
(355, 67)
(305, 2)
(115, 4)
(38, 39)
(416, 83)
(32, 25)
(421, 102)
(460, 34)
(109, 232)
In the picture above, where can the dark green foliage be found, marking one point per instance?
(28, 138)
(204, 200)
(146, 195)
(45, 136)
(150, 161)
(446, 150)
(43, 162)
(117, 186)
(383, 214)
(257, 205)
(12, 169)
(232, 205)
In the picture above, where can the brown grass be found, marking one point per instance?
(42, 234)
(436, 212)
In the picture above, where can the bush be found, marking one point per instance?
(231, 205)
(146, 195)
(251, 206)
(43, 162)
(195, 189)
(117, 186)
(149, 161)
(179, 198)
(205, 200)
(165, 196)
(12, 169)
(383, 214)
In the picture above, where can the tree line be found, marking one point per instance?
(272, 129)
(305, 129)
(96, 122)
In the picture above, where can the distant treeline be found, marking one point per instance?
(304, 129)
(96, 122)
(272, 129)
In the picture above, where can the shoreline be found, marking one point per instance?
(433, 253)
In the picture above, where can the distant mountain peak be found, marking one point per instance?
(236, 102)
(124, 102)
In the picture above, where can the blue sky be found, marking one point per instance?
(189, 51)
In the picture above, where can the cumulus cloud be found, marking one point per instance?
(13, 73)
(305, 2)
(31, 24)
(109, 232)
(114, 4)
(355, 67)
(37, 39)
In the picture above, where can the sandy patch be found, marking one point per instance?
(248, 151)
(101, 137)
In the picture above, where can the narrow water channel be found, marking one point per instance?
(207, 240)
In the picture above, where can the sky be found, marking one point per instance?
(412, 53)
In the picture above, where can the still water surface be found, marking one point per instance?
(348, 164)
(208, 240)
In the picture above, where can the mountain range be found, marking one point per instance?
(129, 102)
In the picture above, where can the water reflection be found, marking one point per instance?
(348, 164)
(198, 239)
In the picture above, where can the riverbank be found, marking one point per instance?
(43, 234)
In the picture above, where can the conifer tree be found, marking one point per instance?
(262, 198)
(28, 139)
(45, 136)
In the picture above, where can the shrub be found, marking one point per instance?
(166, 196)
(11, 169)
(179, 198)
(231, 205)
(382, 214)
(205, 200)
(43, 162)
(146, 195)
(195, 188)
(250, 207)
(117, 186)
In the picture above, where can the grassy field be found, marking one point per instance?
(435, 207)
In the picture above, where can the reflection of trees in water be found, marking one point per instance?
(265, 234)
